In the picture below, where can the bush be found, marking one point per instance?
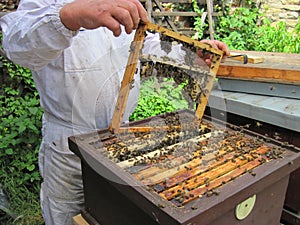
(158, 98)
(242, 30)
(20, 134)
(277, 39)
(238, 29)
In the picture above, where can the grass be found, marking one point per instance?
(24, 205)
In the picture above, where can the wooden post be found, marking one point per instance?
(209, 4)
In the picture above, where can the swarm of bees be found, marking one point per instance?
(194, 74)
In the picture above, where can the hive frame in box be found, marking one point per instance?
(123, 199)
(128, 201)
(135, 53)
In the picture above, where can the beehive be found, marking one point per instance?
(180, 168)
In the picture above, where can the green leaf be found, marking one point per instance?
(33, 110)
(22, 127)
(30, 167)
(9, 151)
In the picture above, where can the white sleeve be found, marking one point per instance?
(34, 35)
(152, 46)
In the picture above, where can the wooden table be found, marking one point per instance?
(277, 67)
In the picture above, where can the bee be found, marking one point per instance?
(216, 192)
(258, 124)
(161, 205)
(209, 193)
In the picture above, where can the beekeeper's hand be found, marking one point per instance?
(218, 45)
(91, 14)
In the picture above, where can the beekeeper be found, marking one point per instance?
(77, 51)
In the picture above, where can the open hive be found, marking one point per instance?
(184, 173)
(186, 161)
(179, 168)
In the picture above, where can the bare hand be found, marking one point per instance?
(91, 14)
(218, 45)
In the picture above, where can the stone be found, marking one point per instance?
(292, 7)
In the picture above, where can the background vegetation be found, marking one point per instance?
(245, 28)
(20, 113)
(20, 125)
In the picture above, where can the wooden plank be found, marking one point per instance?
(197, 192)
(148, 129)
(260, 88)
(171, 24)
(127, 79)
(210, 175)
(176, 13)
(209, 4)
(79, 220)
(159, 152)
(260, 74)
(276, 67)
(250, 58)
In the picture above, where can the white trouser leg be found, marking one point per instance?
(62, 189)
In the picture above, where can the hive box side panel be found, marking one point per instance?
(267, 208)
(109, 206)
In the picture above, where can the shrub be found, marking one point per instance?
(20, 134)
(158, 98)
(242, 30)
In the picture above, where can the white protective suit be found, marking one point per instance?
(78, 78)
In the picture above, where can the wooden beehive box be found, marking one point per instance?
(179, 168)
(162, 177)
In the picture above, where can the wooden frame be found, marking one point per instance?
(135, 53)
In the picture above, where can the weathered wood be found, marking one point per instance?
(277, 67)
(168, 13)
(158, 152)
(201, 190)
(209, 7)
(251, 58)
(127, 79)
(210, 175)
(147, 129)
(171, 24)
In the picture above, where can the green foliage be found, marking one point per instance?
(20, 126)
(238, 29)
(20, 134)
(277, 39)
(158, 98)
(199, 25)
(242, 30)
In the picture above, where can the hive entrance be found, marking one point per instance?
(183, 66)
